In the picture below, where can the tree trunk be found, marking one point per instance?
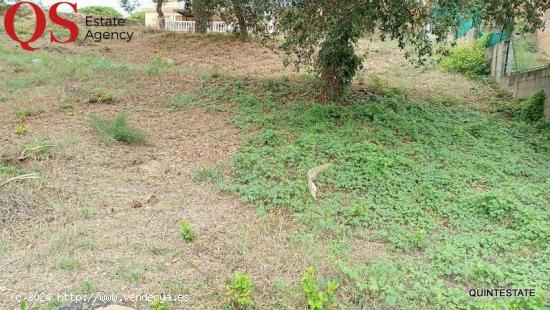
(202, 25)
(203, 11)
(337, 64)
(243, 27)
(162, 23)
(333, 85)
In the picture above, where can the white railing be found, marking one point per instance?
(189, 26)
(219, 27)
(183, 26)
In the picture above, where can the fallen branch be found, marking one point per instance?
(311, 175)
(21, 177)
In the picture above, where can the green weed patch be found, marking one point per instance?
(117, 129)
(460, 197)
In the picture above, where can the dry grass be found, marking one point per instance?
(215, 53)
(21, 204)
(96, 235)
(386, 61)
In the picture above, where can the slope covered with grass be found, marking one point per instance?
(460, 198)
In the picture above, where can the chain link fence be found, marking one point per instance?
(525, 54)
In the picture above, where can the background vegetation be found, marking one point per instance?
(467, 58)
(100, 11)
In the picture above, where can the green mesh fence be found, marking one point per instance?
(464, 28)
(497, 37)
(525, 54)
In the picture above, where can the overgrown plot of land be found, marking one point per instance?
(423, 199)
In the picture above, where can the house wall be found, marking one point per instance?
(151, 17)
(217, 18)
(151, 20)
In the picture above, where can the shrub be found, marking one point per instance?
(138, 17)
(186, 231)
(160, 62)
(117, 129)
(130, 273)
(66, 104)
(316, 298)
(446, 99)
(87, 287)
(419, 176)
(157, 65)
(467, 58)
(100, 11)
(21, 130)
(240, 291)
(67, 262)
(100, 97)
(158, 305)
(377, 85)
(527, 109)
(269, 137)
(7, 170)
(539, 301)
(533, 108)
(408, 240)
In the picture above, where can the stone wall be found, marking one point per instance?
(497, 56)
(526, 84)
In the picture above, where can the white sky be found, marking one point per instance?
(84, 3)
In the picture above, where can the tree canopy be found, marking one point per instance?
(247, 15)
(129, 5)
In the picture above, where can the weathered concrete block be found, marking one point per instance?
(525, 84)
